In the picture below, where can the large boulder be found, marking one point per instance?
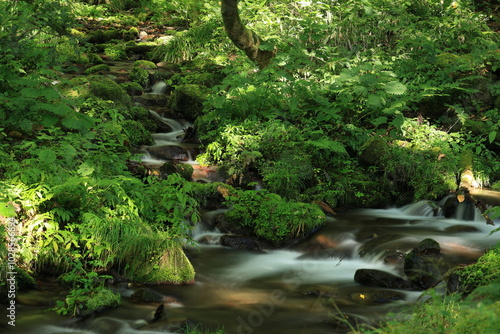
(187, 100)
(422, 264)
(379, 278)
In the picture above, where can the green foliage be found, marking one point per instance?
(484, 272)
(272, 218)
(88, 293)
(140, 75)
(136, 133)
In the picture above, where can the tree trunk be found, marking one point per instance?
(244, 38)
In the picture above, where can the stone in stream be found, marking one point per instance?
(422, 264)
(239, 242)
(151, 295)
(169, 152)
(379, 278)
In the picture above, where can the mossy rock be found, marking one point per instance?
(98, 86)
(188, 100)
(184, 170)
(172, 267)
(104, 36)
(115, 52)
(132, 88)
(95, 58)
(97, 69)
(272, 218)
(146, 64)
(98, 300)
(140, 49)
(140, 76)
(375, 151)
(137, 133)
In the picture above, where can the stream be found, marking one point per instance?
(297, 290)
(294, 290)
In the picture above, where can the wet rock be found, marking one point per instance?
(184, 170)
(379, 244)
(151, 295)
(422, 264)
(151, 99)
(379, 278)
(239, 242)
(222, 224)
(169, 152)
(461, 229)
(394, 259)
(382, 296)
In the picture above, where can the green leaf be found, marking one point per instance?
(361, 90)
(328, 144)
(47, 155)
(380, 120)
(395, 87)
(492, 136)
(373, 100)
(85, 169)
(7, 209)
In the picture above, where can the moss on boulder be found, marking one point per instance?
(97, 86)
(172, 267)
(140, 76)
(375, 151)
(188, 100)
(149, 65)
(101, 68)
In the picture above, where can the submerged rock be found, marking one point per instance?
(151, 295)
(379, 278)
(382, 296)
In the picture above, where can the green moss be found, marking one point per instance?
(132, 88)
(184, 170)
(271, 217)
(95, 58)
(140, 76)
(136, 133)
(484, 272)
(374, 151)
(188, 100)
(97, 86)
(97, 68)
(172, 267)
(149, 65)
(115, 52)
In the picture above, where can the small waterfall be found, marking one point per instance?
(174, 124)
(160, 87)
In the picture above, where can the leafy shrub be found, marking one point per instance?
(271, 217)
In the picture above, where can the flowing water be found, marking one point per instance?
(294, 290)
(297, 290)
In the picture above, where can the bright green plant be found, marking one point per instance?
(271, 217)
